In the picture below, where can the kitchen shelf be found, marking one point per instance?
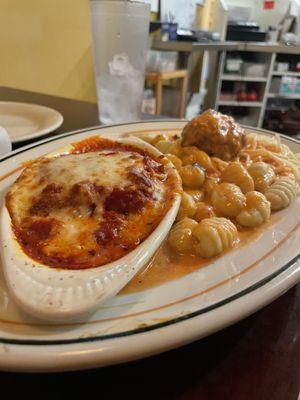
(265, 86)
(287, 73)
(234, 103)
(241, 78)
(284, 96)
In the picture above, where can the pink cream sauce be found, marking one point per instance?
(167, 265)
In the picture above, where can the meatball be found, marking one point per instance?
(216, 134)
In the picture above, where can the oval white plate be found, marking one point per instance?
(137, 325)
(24, 121)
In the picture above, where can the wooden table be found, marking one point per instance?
(255, 359)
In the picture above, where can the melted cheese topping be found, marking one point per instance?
(87, 209)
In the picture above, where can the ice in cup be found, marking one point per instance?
(120, 42)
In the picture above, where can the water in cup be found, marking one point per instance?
(120, 40)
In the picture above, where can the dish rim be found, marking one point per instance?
(173, 321)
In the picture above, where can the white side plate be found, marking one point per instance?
(24, 121)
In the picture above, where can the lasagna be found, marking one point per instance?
(92, 205)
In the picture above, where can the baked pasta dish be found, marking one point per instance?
(231, 182)
(92, 205)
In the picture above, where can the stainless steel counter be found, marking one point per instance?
(228, 46)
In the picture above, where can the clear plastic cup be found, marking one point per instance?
(120, 41)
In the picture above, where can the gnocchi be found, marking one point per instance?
(219, 164)
(174, 160)
(203, 211)
(187, 207)
(192, 176)
(209, 185)
(197, 195)
(236, 173)
(191, 155)
(180, 237)
(256, 212)
(281, 193)
(168, 146)
(228, 200)
(214, 235)
(263, 175)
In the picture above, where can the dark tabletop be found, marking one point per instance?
(255, 359)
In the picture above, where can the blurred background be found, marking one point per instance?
(241, 57)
